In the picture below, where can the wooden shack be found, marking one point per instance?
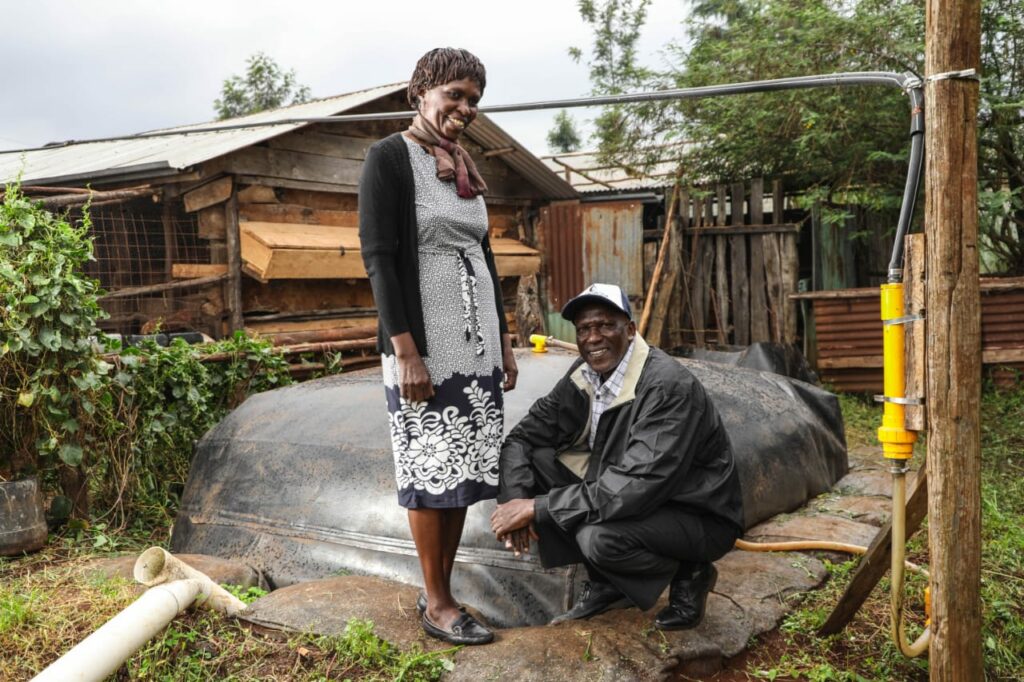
(252, 223)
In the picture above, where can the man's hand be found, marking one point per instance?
(519, 540)
(512, 515)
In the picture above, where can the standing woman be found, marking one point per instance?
(446, 351)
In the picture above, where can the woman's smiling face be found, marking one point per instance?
(451, 107)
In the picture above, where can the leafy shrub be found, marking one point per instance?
(119, 426)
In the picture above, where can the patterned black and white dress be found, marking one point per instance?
(446, 449)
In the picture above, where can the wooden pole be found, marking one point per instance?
(233, 290)
(953, 304)
(645, 315)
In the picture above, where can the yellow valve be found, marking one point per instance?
(540, 343)
(897, 442)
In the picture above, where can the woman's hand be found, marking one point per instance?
(508, 361)
(413, 378)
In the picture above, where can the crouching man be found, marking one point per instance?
(624, 467)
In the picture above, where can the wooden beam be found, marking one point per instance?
(745, 229)
(914, 332)
(163, 287)
(233, 287)
(210, 194)
(501, 151)
(777, 303)
(758, 294)
(739, 284)
(583, 174)
(279, 163)
(876, 561)
(721, 272)
(257, 194)
(953, 301)
(193, 270)
(659, 265)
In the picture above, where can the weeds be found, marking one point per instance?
(52, 600)
(863, 650)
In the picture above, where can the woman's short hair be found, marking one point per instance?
(443, 65)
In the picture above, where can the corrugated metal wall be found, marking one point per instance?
(848, 331)
(613, 235)
(560, 235)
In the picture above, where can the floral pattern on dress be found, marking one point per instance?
(449, 443)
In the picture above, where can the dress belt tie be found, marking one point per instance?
(470, 315)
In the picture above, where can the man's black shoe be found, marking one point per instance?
(687, 599)
(596, 598)
(465, 630)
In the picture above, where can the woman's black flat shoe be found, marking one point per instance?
(421, 604)
(465, 630)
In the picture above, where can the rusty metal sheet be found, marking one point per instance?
(613, 245)
(562, 252)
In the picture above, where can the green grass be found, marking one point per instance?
(864, 650)
(50, 601)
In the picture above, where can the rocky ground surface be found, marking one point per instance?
(749, 598)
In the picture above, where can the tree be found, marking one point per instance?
(564, 137)
(844, 146)
(264, 86)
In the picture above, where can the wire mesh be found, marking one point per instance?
(136, 244)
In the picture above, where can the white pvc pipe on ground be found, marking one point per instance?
(101, 653)
(173, 587)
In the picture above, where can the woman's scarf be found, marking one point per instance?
(453, 162)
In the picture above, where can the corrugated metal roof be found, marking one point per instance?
(586, 173)
(165, 154)
(488, 135)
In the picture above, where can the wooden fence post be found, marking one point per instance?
(953, 302)
(758, 298)
(721, 273)
(233, 288)
(740, 284)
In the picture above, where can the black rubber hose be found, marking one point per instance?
(914, 164)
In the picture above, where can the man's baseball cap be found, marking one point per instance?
(608, 294)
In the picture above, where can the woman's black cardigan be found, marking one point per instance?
(388, 237)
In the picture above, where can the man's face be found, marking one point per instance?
(603, 335)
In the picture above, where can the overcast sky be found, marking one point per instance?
(77, 70)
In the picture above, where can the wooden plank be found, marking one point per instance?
(299, 237)
(233, 286)
(695, 276)
(329, 201)
(163, 287)
(170, 243)
(745, 229)
(758, 294)
(210, 194)
(707, 257)
(323, 144)
(302, 185)
(257, 194)
(294, 213)
(192, 270)
(279, 163)
(721, 273)
(211, 223)
(850, 362)
(738, 270)
(877, 560)
(777, 304)
(678, 314)
(998, 356)
(914, 332)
